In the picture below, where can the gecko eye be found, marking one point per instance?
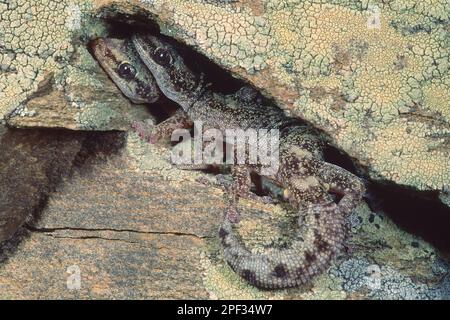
(162, 57)
(126, 71)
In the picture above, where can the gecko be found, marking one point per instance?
(323, 194)
(119, 60)
(122, 64)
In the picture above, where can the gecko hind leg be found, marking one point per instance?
(345, 184)
(241, 188)
(242, 183)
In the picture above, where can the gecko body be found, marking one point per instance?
(311, 185)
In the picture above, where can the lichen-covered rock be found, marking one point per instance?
(378, 87)
(110, 227)
(47, 76)
(373, 74)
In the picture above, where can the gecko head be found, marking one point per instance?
(122, 64)
(175, 79)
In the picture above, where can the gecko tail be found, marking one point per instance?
(320, 238)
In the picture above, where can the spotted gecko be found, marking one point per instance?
(324, 194)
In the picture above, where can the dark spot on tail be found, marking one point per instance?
(320, 244)
(223, 235)
(310, 257)
(249, 276)
(280, 271)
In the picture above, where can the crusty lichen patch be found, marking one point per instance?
(384, 259)
(47, 76)
(373, 74)
(34, 36)
(391, 245)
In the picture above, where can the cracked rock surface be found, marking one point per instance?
(130, 226)
(134, 226)
(32, 162)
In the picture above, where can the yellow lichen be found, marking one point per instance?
(36, 35)
(368, 73)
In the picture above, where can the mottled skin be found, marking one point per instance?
(310, 184)
(120, 61)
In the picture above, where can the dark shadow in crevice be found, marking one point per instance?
(419, 213)
(97, 148)
(52, 152)
(333, 155)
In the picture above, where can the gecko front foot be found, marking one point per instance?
(147, 131)
(155, 133)
(142, 128)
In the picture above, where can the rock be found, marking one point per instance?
(127, 225)
(371, 83)
(32, 163)
(370, 86)
(47, 76)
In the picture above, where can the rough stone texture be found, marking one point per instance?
(370, 86)
(32, 162)
(47, 76)
(136, 228)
